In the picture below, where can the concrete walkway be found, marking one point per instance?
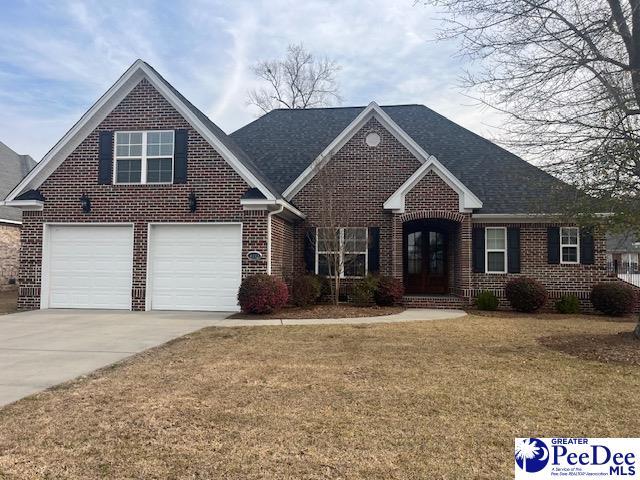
(43, 348)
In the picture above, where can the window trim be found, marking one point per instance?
(143, 157)
(487, 250)
(365, 252)
(576, 246)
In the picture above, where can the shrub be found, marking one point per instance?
(568, 304)
(389, 291)
(487, 300)
(525, 294)
(613, 298)
(363, 291)
(262, 294)
(306, 290)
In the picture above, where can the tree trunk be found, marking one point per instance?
(636, 332)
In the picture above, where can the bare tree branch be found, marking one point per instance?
(297, 81)
(567, 74)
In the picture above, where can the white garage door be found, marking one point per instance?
(89, 267)
(195, 267)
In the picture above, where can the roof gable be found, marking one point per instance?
(374, 111)
(283, 143)
(13, 168)
(467, 200)
(227, 148)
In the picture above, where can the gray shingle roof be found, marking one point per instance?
(284, 142)
(13, 168)
(625, 242)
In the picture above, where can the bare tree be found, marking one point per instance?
(567, 74)
(296, 81)
(335, 241)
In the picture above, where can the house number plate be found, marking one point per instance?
(254, 255)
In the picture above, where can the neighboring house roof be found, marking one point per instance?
(13, 168)
(623, 243)
(283, 143)
(232, 153)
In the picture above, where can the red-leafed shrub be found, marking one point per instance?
(525, 294)
(613, 298)
(306, 290)
(389, 292)
(262, 294)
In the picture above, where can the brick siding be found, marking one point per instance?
(9, 254)
(217, 186)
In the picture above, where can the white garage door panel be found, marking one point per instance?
(195, 267)
(90, 266)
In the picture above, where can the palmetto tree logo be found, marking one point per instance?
(532, 455)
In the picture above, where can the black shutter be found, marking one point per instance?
(477, 243)
(310, 250)
(374, 250)
(180, 156)
(587, 253)
(513, 250)
(553, 245)
(105, 158)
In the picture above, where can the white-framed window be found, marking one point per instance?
(496, 249)
(144, 157)
(344, 249)
(569, 245)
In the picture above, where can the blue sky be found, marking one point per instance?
(58, 57)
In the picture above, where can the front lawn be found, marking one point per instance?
(438, 400)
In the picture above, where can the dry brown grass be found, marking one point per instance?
(438, 400)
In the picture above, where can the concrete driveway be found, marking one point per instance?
(46, 347)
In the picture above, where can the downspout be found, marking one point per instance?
(269, 215)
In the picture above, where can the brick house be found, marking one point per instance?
(13, 167)
(146, 204)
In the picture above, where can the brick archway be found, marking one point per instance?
(432, 214)
(462, 243)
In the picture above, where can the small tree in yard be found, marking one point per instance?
(334, 241)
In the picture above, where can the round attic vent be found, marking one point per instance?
(372, 139)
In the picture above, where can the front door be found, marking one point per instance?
(425, 260)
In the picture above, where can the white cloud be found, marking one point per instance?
(59, 62)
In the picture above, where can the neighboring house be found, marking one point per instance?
(13, 167)
(623, 257)
(146, 204)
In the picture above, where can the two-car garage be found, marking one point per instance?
(189, 266)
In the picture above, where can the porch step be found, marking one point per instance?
(433, 301)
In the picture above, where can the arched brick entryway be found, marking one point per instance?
(457, 226)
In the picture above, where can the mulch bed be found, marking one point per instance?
(324, 311)
(622, 347)
(8, 301)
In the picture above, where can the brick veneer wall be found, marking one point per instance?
(281, 248)
(364, 178)
(558, 279)
(217, 186)
(9, 254)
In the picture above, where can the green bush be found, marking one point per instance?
(306, 290)
(613, 298)
(525, 294)
(568, 304)
(363, 291)
(487, 300)
(389, 291)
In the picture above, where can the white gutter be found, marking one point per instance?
(270, 214)
(259, 202)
